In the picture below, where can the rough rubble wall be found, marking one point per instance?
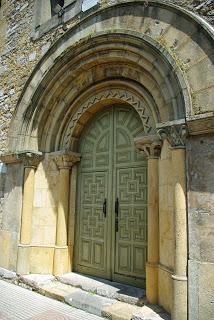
(18, 56)
(204, 8)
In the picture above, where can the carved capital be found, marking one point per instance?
(65, 159)
(175, 134)
(150, 145)
(28, 158)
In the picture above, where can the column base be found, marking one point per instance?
(152, 282)
(61, 264)
(70, 258)
(23, 259)
(35, 259)
(179, 310)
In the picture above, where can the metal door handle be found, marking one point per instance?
(117, 207)
(104, 207)
(116, 215)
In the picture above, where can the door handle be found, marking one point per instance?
(104, 207)
(117, 207)
(116, 215)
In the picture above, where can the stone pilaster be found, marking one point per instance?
(151, 147)
(176, 135)
(30, 161)
(64, 161)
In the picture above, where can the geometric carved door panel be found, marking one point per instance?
(131, 238)
(111, 241)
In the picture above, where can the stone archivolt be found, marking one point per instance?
(84, 70)
(122, 96)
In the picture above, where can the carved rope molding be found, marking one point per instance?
(110, 94)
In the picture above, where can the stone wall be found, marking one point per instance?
(18, 56)
(11, 218)
(200, 159)
(204, 8)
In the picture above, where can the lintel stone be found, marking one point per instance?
(201, 124)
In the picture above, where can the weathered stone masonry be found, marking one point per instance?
(156, 58)
(19, 53)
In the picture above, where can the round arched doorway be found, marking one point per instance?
(111, 226)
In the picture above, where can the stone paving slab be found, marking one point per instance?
(6, 274)
(124, 311)
(105, 288)
(17, 303)
(36, 280)
(56, 290)
(89, 302)
(102, 303)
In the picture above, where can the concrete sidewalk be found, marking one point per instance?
(17, 303)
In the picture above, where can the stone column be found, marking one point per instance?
(151, 147)
(64, 162)
(71, 220)
(30, 161)
(176, 135)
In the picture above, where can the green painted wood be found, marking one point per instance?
(130, 181)
(111, 168)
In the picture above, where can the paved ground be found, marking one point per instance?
(18, 303)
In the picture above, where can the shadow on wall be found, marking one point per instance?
(200, 159)
(11, 180)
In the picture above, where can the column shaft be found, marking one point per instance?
(61, 262)
(180, 276)
(151, 146)
(62, 258)
(61, 232)
(71, 222)
(153, 232)
(27, 208)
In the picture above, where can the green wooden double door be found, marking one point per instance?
(111, 232)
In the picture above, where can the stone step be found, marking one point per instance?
(105, 288)
(106, 307)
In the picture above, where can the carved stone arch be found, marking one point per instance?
(108, 96)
